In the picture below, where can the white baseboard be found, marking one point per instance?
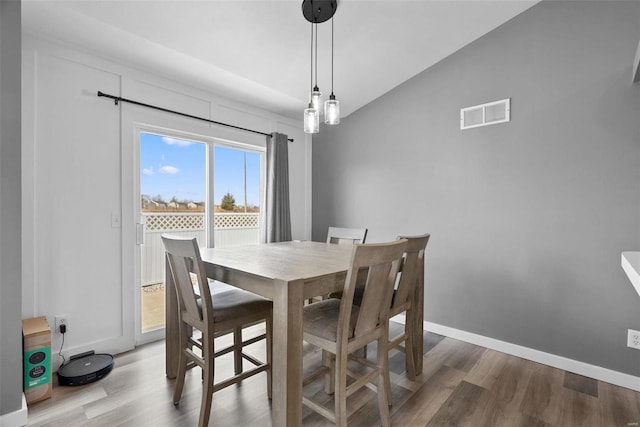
(16, 418)
(555, 361)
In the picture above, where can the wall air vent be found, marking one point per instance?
(490, 113)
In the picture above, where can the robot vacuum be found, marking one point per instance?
(85, 368)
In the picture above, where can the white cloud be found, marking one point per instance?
(178, 142)
(147, 171)
(172, 170)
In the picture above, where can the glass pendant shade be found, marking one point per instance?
(332, 111)
(311, 120)
(316, 98)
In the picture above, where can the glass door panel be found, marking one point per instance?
(237, 189)
(173, 182)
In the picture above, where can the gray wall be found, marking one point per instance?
(10, 201)
(528, 219)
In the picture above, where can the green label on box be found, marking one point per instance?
(37, 367)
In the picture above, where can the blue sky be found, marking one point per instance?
(175, 167)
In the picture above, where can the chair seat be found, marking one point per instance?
(236, 303)
(321, 319)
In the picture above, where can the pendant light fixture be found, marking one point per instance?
(316, 95)
(311, 120)
(316, 12)
(331, 105)
(311, 114)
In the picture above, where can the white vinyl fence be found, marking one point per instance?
(230, 229)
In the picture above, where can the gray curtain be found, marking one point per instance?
(276, 224)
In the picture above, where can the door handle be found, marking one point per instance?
(139, 234)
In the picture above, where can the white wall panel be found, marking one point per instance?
(76, 169)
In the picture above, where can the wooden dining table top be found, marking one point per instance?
(286, 261)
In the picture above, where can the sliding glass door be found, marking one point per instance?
(173, 182)
(205, 188)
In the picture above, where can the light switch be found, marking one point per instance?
(115, 220)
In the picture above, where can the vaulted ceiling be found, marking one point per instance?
(258, 52)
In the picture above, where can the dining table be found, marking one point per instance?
(287, 273)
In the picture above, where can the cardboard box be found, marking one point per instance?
(36, 345)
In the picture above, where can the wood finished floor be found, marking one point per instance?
(462, 385)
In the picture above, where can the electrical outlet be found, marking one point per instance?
(62, 319)
(633, 339)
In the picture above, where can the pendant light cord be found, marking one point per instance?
(311, 68)
(316, 25)
(332, 55)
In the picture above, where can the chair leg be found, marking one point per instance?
(384, 383)
(387, 379)
(207, 386)
(182, 367)
(408, 351)
(237, 350)
(269, 333)
(329, 361)
(340, 395)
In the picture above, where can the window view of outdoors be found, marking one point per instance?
(173, 200)
(172, 174)
(236, 180)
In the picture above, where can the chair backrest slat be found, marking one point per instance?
(183, 255)
(412, 268)
(346, 235)
(378, 284)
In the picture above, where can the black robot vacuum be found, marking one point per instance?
(85, 368)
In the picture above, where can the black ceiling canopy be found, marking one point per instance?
(317, 11)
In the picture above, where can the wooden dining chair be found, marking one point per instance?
(411, 279)
(214, 315)
(346, 235)
(411, 275)
(342, 236)
(340, 328)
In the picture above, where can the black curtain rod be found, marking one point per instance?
(166, 110)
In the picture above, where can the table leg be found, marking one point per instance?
(418, 320)
(172, 344)
(287, 354)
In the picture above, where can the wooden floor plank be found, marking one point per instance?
(425, 402)
(581, 384)
(465, 356)
(487, 370)
(619, 406)
(499, 406)
(429, 341)
(541, 395)
(460, 407)
(579, 409)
